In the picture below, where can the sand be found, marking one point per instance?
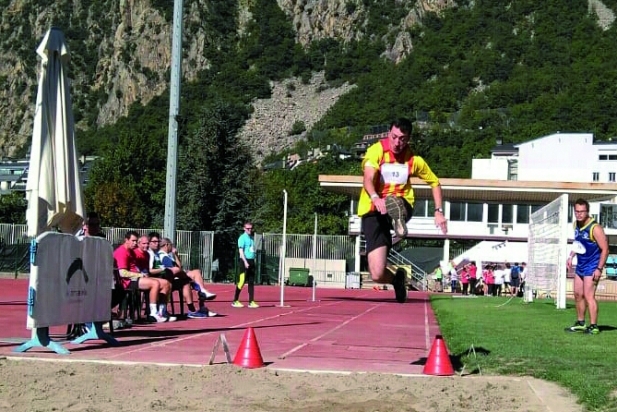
(43, 385)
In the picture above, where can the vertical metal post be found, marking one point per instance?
(314, 283)
(283, 250)
(172, 140)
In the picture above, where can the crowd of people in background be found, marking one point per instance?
(495, 279)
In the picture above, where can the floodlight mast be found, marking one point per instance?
(172, 139)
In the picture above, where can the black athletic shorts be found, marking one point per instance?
(376, 228)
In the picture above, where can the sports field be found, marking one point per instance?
(514, 338)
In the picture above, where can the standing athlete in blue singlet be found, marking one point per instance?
(591, 250)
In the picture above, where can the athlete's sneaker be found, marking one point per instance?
(592, 330)
(196, 315)
(253, 305)
(577, 327)
(395, 206)
(205, 295)
(400, 286)
(237, 304)
(169, 318)
(156, 318)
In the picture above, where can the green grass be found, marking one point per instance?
(529, 339)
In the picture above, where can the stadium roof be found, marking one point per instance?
(480, 190)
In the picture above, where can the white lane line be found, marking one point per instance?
(427, 334)
(217, 331)
(297, 348)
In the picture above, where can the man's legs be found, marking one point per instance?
(250, 280)
(589, 292)
(197, 278)
(377, 260)
(579, 297)
(239, 285)
(164, 297)
(152, 286)
(378, 243)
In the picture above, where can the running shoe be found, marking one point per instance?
(156, 318)
(396, 210)
(577, 327)
(196, 315)
(592, 330)
(205, 295)
(253, 305)
(400, 286)
(237, 304)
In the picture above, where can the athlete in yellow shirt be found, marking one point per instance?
(387, 199)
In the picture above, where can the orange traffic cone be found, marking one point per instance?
(249, 355)
(438, 362)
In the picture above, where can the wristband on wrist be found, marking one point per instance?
(374, 196)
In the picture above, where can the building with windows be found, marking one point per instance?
(496, 203)
(14, 173)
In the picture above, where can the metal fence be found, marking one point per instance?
(269, 248)
(195, 249)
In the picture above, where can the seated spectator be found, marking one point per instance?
(142, 259)
(165, 263)
(132, 279)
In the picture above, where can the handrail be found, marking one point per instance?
(419, 278)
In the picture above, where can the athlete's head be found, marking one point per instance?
(398, 137)
(581, 210)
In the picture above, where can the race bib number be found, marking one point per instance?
(394, 173)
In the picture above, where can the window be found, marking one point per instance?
(612, 157)
(522, 214)
(507, 215)
(457, 212)
(611, 177)
(419, 208)
(474, 212)
(466, 212)
(595, 176)
(603, 157)
(493, 213)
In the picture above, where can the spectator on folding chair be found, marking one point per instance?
(142, 260)
(131, 277)
(164, 262)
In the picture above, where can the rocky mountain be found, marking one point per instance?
(121, 52)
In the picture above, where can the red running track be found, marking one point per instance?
(343, 330)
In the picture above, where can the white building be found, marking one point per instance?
(495, 204)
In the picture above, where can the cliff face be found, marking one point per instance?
(121, 50)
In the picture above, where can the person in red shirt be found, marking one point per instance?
(473, 277)
(132, 279)
(142, 262)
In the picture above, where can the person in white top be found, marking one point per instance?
(506, 279)
(499, 274)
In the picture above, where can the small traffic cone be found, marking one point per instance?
(438, 362)
(249, 355)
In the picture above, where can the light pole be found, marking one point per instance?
(172, 138)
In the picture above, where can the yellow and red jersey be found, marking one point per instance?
(393, 174)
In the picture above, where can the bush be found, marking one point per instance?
(298, 127)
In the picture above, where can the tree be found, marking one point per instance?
(216, 174)
(13, 208)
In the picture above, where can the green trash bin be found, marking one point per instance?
(299, 277)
